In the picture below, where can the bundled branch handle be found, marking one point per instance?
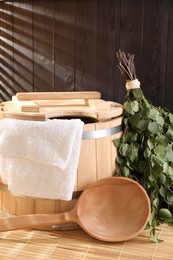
(127, 69)
(126, 65)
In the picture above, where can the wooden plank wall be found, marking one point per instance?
(70, 45)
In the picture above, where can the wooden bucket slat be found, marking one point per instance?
(24, 206)
(87, 164)
(103, 153)
(44, 206)
(114, 123)
(8, 203)
(0, 199)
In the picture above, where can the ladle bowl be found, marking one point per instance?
(112, 209)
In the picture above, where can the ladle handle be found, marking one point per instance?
(35, 220)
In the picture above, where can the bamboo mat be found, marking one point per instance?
(77, 245)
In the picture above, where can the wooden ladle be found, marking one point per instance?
(111, 209)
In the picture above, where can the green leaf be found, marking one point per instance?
(161, 179)
(153, 114)
(143, 166)
(126, 106)
(170, 117)
(145, 112)
(131, 107)
(146, 103)
(157, 165)
(124, 149)
(160, 150)
(169, 181)
(156, 202)
(169, 156)
(162, 191)
(165, 167)
(121, 160)
(169, 198)
(134, 137)
(117, 142)
(162, 139)
(160, 120)
(169, 132)
(153, 127)
(134, 119)
(125, 172)
(137, 122)
(134, 106)
(151, 143)
(138, 94)
(147, 153)
(170, 170)
(142, 125)
(128, 137)
(156, 240)
(133, 152)
(156, 159)
(164, 213)
(157, 170)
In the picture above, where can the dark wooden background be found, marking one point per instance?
(70, 45)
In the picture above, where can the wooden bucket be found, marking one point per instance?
(97, 160)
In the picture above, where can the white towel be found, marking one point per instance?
(48, 142)
(40, 159)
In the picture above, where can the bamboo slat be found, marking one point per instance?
(77, 245)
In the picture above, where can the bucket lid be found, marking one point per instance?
(43, 105)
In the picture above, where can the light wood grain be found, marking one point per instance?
(24, 206)
(8, 203)
(43, 105)
(44, 206)
(25, 106)
(103, 153)
(25, 115)
(58, 95)
(87, 167)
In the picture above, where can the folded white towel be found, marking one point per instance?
(40, 159)
(29, 178)
(48, 142)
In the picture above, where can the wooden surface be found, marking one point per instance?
(77, 245)
(70, 46)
